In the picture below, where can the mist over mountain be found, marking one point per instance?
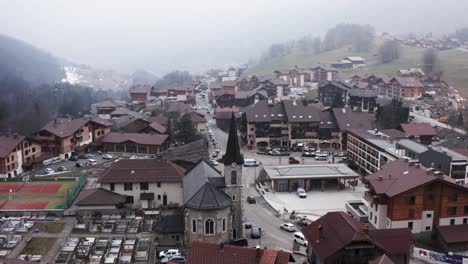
(24, 61)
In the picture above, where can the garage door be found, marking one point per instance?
(282, 186)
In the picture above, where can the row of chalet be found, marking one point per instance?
(298, 77)
(147, 93)
(287, 123)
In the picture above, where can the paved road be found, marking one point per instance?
(418, 118)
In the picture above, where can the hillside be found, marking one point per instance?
(24, 61)
(455, 63)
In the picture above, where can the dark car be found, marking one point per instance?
(239, 242)
(78, 165)
(73, 158)
(292, 160)
(308, 154)
(82, 156)
(251, 200)
(255, 232)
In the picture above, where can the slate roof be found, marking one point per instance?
(208, 197)
(233, 153)
(363, 93)
(300, 113)
(158, 127)
(398, 177)
(338, 84)
(106, 104)
(8, 143)
(163, 120)
(204, 252)
(393, 133)
(143, 139)
(121, 111)
(65, 127)
(412, 145)
(408, 82)
(348, 119)
(99, 196)
(284, 111)
(249, 93)
(196, 177)
(453, 233)
(192, 151)
(418, 129)
(197, 117)
(144, 170)
(336, 230)
(171, 224)
(101, 121)
(226, 113)
(129, 124)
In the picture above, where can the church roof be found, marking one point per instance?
(233, 153)
(208, 197)
(201, 173)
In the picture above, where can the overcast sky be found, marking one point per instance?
(162, 35)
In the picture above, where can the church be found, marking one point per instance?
(213, 200)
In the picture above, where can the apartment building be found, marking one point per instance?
(145, 183)
(403, 88)
(17, 154)
(405, 194)
(140, 93)
(322, 73)
(181, 93)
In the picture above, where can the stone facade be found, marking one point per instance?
(234, 190)
(197, 225)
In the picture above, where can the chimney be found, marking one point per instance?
(319, 233)
(376, 131)
(389, 176)
(380, 178)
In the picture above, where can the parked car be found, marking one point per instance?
(304, 221)
(177, 259)
(89, 155)
(321, 156)
(169, 253)
(300, 239)
(308, 154)
(301, 193)
(62, 168)
(288, 227)
(92, 161)
(251, 200)
(292, 160)
(250, 163)
(256, 232)
(82, 156)
(107, 156)
(239, 242)
(79, 165)
(73, 158)
(248, 225)
(214, 162)
(48, 171)
(214, 154)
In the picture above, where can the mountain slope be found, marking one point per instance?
(22, 60)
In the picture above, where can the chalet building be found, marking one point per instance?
(330, 91)
(146, 183)
(356, 61)
(97, 201)
(288, 178)
(376, 79)
(403, 88)
(347, 119)
(276, 88)
(247, 83)
(140, 93)
(223, 86)
(406, 194)
(62, 136)
(223, 117)
(447, 161)
(246, 98)
(419, 132)
(202, 252)
(134, 143)
(17, 154)
(129, 124)
(199, 121)
(371, 149)
(339, 238)
(410, 148)
(122, 111)
(104, 109)
(383, 105)
(99, 128)
(295, 77)
(411, 72)
(342, 64)
(224, 99)
(180, 93)
(321, 74)
(363, 100)
(176, 109)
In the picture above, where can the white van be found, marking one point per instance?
(300, 239)
(250, 163)
(92, 161)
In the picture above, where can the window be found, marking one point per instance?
(453, 197)
(26, 152)
(375, 219)
(159, 197)
(12, 158)
(33, 150)
(428, 228)
(376, 207)
(224, 224)
(410, 225)
(452, 210)
(159, 185)
(129, 199)
(233, 197)
(194, 226)
(370, 215)
(412, 199)
(411, 213)
(112, 187)
(465, 220)
(128, 186)
(428, 215)
(452, 221)
(209, 226)
(430, 197)
(144, 186)
(233, 177)
(465, 209)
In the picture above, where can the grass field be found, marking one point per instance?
(454, 63)
(38, 245)
(54, 199)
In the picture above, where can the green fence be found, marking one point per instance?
(73, 193)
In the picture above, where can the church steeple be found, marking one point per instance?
(233, 154)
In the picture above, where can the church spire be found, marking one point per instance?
(233, 154)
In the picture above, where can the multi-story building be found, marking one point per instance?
(104, 109)
(140, 93)
(148, 183)
(347, 119)
(321, 74)
(420, 132)
(363, 100)
(405, 194)
(329, 92)
(17, 153)
(181, 93)
(295, 77)
(403, 88)
(447, 161)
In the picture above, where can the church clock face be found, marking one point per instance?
(233, 164)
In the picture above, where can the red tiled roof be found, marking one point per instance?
(204, 252)
(144, 170)
(65, 127)
(8, 143)
(144, 139)
(336, 230)
(418, 129)
(197, 117)
(454, 233)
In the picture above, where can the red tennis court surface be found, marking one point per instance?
(30, 188)
(23, 204)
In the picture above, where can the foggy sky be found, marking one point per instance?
(162, 35)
